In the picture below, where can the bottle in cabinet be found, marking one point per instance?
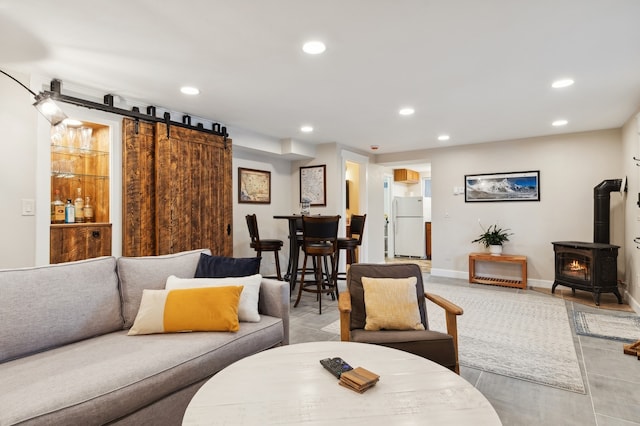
(57, 209)
(87, 211)
(69, 212)
(78, 205)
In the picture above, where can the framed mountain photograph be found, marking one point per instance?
(512, 186)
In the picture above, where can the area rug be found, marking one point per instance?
(625, 328)
(516, 334)
(525, 336)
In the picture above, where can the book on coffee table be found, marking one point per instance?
(359, 379)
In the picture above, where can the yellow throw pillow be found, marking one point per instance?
(194, 309)
(248, 307)
(391, 304)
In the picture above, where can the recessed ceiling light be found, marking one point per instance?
(306, 129)
(559, 123)
(314, 47)
(407, 111)
(188, 90)
(562, 83)
(443, 137)
(375, 147)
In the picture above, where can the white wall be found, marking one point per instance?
(631, 149)
(570, 166)
(18, 120)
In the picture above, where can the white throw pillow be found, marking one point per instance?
(248, 309)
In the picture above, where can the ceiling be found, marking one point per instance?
(476, 70)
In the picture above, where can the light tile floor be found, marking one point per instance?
(612, 378)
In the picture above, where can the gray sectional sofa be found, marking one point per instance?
(66, 359)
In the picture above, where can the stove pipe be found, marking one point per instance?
(602, 209)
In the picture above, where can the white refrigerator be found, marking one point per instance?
(408, 225)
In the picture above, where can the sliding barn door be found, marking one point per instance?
(138, 188)
(185, 194)
(193, 191)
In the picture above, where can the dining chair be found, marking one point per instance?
(351, 243)
(320, 243)
(260, 245)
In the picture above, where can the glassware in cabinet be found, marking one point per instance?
(80, 159)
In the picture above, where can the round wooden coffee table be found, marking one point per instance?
(287, 385)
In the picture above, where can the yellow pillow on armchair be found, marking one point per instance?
(391, 304)
(194, 309)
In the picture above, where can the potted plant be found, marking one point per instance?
(493, 237)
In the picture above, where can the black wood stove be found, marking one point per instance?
(587, 266)
(591, 266)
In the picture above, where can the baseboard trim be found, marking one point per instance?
(448, 273)
(464, 275)
(632, 302)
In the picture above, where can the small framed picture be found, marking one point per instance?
(254, 186)
(313, 185)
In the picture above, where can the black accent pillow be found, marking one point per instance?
(221, 266)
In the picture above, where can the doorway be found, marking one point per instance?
(352, 189)
(418, 191)
(355, 199)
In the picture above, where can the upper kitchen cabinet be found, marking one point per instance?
(406, 176)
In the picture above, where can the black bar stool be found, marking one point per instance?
(294, 268)
(295, 256)
(260, 245)
(295, 242)
(320, 242)
(350, 244)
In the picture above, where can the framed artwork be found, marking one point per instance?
(512, 186)
(254, 186)
(313, 185)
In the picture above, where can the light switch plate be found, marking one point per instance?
(28, 207)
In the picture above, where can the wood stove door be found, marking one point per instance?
(575, 267)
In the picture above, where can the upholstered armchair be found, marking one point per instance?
(386, 307)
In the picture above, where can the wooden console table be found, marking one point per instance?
(507, 258)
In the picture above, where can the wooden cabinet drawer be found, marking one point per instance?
(70, 242)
